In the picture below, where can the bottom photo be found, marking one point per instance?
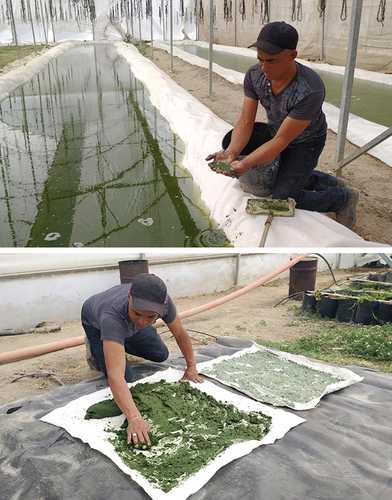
(203, 375)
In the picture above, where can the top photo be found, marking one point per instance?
(196, 123)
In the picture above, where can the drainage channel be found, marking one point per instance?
(370, 100)
(86, 160)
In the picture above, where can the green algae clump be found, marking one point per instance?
(220, 167)
(189, 429)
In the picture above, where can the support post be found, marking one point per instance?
(210, 46)
(31, 21)
(152, 31)
(171, 35)
(235, 23)
(13, 27)
(348, 78)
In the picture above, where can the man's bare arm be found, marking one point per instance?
(115, 367)
(241, 133)
(185, 345)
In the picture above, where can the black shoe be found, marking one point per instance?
(347, 214)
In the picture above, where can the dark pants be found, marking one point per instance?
(146, 344)
(294, 175)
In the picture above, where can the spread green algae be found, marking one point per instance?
(270, 379)
(189, 428)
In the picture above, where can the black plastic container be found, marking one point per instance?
(346, 310)
(366, 312)
(309, 302)
(327, 306)
(384, 313)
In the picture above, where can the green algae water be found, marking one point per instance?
(370, 100)
(189, 429)
(86, 160)
(270, 379)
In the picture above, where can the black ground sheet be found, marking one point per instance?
(342, 451)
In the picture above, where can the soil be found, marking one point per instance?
(252, 316)
(367, 174)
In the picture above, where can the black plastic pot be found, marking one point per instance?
(366, 312)
(384, 313)
(309, 302)
(346, 309)
(327, 306)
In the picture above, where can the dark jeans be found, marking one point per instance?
(146, 344)
(294, 174)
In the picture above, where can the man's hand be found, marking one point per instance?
(192, 375)
(240, 166)
(223, 155)
(138, 430)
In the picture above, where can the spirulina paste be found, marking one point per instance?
(268, 378)
(189, 428)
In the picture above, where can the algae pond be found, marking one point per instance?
(86, 160)
(370, 100)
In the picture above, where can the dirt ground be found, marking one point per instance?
(252, 316)
(367, 174)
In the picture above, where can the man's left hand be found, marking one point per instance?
(192, 375)
(240, 167)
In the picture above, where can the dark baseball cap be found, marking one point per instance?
(149, 293)
(275, 37)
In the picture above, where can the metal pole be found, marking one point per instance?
(51, 19)
(171, 35)
(235, 23)
(13, 27)
(322, 55)
(210, 46)
(152, 31)
(43, 22)
(31, 21)
(348, 77)
(139, 14)
(371, 144)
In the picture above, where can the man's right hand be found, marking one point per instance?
(223, 155)
(138, 430)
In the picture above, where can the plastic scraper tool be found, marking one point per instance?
(272, 208)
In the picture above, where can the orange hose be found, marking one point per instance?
(31, 352)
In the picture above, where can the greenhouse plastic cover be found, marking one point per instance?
(71, 418)
(342, 451)
(202, 131)
(347, 377)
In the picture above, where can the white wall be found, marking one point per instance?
(44, 288)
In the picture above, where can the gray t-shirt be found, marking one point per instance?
(302, 99)
(108, 312)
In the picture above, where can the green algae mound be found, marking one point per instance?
(189, 429)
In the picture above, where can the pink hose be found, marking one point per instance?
(31, 352)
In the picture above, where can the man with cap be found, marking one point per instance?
(279, 158)
(119, 321)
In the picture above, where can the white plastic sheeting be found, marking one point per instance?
(202, 131)
(360, 131)
(92, 432)
(348, 377)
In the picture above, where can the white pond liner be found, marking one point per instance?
(349, 377)
(71, 418)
